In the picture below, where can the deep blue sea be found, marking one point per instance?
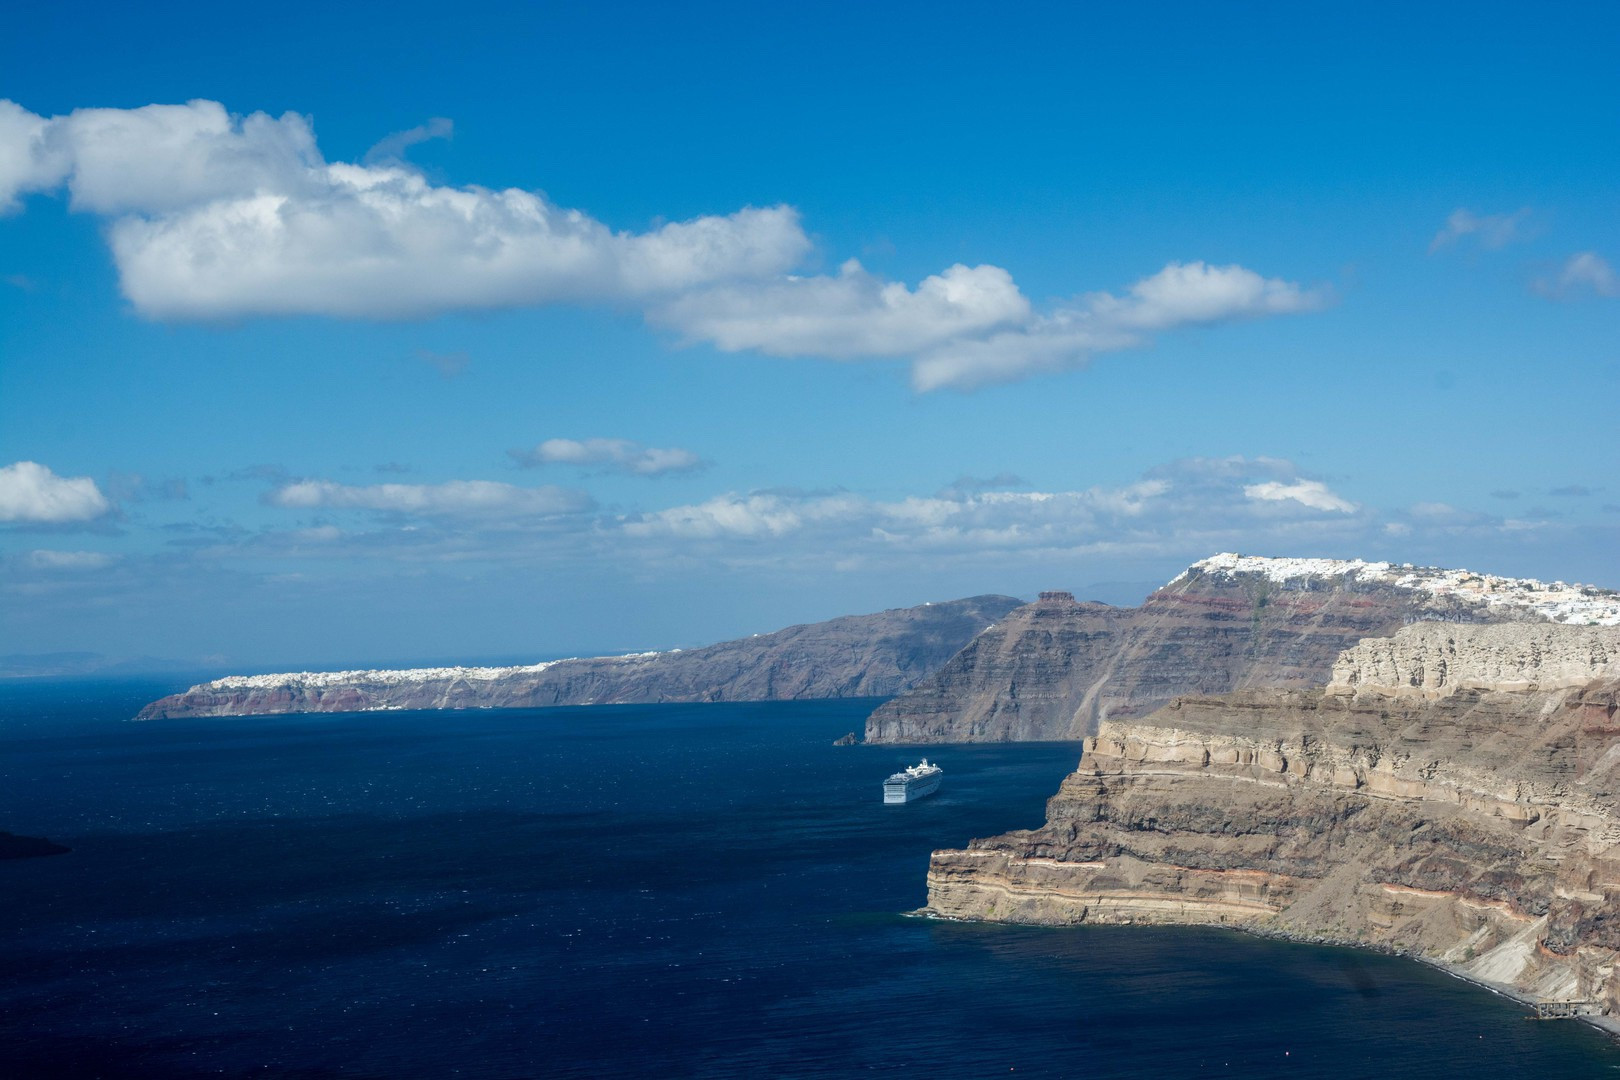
(678, 890)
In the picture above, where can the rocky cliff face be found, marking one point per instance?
(1055, 668)
(855, 656)
(1435, 659)
(1478, 828)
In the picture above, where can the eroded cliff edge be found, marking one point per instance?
(854, 656)
(1472, 821)
(1056, 668)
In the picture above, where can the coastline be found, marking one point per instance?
(1608, 1024)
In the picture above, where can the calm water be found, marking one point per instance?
(630, 891)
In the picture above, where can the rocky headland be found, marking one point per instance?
(1055, 668)
(854, 656)
(1452, 794)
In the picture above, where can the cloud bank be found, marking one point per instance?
(217, 216)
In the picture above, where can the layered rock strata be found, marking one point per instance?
(1478, 827)
(854, 656)
(1055, 668)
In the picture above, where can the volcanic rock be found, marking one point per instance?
(1055, 668)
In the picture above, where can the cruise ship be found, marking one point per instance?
(917, 782)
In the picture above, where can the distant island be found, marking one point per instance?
(13, 846)
(875, 655)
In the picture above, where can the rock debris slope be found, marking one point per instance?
(854, 656)
(1471, 819)
(1055, 668)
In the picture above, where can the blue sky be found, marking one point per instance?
(392, 335)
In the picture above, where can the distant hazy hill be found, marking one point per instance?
(854, 656)
(1055, 668)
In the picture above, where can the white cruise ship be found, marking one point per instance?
(917, 782)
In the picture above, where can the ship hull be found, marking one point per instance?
(897, 792)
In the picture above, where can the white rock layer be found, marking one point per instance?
(1437, 659)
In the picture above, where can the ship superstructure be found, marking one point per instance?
(916, 782)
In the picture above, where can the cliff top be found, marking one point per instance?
(1553, 601)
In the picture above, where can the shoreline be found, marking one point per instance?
(1606, 1023)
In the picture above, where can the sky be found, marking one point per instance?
(392, 334)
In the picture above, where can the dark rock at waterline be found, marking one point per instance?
(13, 846)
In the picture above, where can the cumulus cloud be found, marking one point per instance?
(612, 455)
(30, 492)
(218, 216)
(1488, 230)
(470, 498)
(1180, 295)
(970, 326)
(1311, 493)
(854, 314)
(1586, 272)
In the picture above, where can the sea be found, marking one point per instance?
(620, 891)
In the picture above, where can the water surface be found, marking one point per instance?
(679, 890)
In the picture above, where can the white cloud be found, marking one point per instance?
(70, 560)
(1182, 294)
(969, 326)
(1311, 493)
(218, 216)
(855, 314)
(1583, 272)
(618, 455)
(1181, 500)
(30, 492)
(215, 216)
(474, 498)
(25, 163)
(1488, 230)
(383, 243)
(747, 516)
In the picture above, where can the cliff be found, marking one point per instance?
(854, 656)
(1477, 827)
(1055, 668)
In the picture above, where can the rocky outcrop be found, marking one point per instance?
(1055, 668)
(1478, 827)
(854, 656)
